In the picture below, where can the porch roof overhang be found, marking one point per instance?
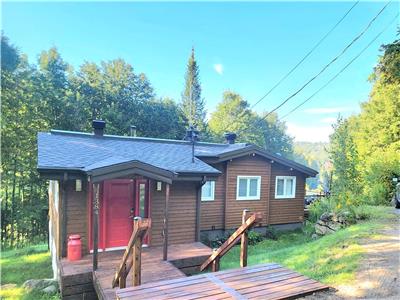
(127, 169)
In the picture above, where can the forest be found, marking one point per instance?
(362, 158)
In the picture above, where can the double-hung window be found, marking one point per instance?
(208, 191)
(285, 187)
(248, 188)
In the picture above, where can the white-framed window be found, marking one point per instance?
(208, 191)
(285, 187)
(248, 188)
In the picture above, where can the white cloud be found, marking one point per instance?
(329, 120)
(308, 133)
(327, 110)
(219, 68)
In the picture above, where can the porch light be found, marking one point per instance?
(159, 186)
(78, 185)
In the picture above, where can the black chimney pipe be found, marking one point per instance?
(230, 137)
(98, 127)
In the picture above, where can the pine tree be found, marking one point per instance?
(193, 106)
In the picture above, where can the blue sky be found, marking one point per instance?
(243, 47)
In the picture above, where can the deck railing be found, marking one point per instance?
(248, 221)
(140, 228)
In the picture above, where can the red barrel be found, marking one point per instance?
(74, 247)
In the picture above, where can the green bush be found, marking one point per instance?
(271, 233)
(255, 237)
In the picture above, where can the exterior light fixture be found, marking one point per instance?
(159, 186)
(78, 185)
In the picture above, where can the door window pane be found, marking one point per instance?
(142, 197)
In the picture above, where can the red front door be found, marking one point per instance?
(119, 200)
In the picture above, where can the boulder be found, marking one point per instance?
(39, 284)
(51, 289)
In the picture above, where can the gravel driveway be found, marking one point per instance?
(378, 276)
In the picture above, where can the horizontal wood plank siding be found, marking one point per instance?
(250, 166)
(182, 213)
(284, 211)
(77, 212)
(212, 212)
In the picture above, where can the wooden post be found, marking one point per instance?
(137, 255)
(63, 210)
(198, 210)
(244, 242)
(95, 224)
(165, 230)
(215, 264)
(122, 278)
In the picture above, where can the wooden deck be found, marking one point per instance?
(182, 259)
(268, 281)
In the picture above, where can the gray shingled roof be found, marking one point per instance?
(65, 150)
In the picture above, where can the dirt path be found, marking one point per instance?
(379, 274)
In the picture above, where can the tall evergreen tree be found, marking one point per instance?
(193, 105)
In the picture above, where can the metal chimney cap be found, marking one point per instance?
(98, 127)
(230, 137)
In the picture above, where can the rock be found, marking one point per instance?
(326, 227)
(314, 236)
(39, 284)
(326, 217)
(51, 289)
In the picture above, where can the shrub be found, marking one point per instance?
(271, 233)
(255, 237)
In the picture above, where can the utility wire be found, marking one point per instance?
(326, 66)
(305, 57)
(301, 61)
(344, 68)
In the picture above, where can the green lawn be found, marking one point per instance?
(332, 259)
(19, 265)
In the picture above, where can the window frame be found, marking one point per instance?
(247, 197)
(212, 197)
(284, 196)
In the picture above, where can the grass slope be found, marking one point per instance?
(19, 265)
(332, 259)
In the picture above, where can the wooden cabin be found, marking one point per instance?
(98, 183)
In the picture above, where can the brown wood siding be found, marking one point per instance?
(283, 211)
(212, 212)
(182, 213)
(77, 212)
(251, 166)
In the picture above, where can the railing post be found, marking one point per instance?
(244, 242)
(137, 255)
(215, 264)
(122, 278)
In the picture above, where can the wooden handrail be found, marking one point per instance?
(140, 228)
(232, 240)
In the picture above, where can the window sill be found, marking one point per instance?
(284, 197)
(207, 200)
(248, 199)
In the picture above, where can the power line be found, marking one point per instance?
(301, 61)
(305, 57)
(344, 68)
(326, 66)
